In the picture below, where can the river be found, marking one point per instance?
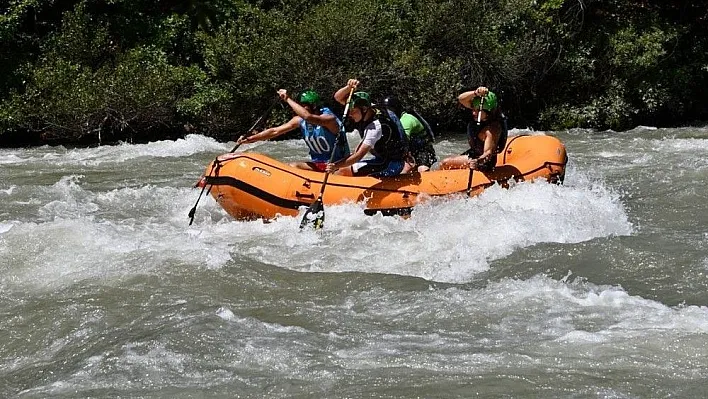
(593, 289)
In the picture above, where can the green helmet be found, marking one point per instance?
(490, 102)
(309, 97)
(360, 98)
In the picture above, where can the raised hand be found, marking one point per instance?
(482, 91)
(283, 94)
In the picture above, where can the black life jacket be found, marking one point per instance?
(393, 144)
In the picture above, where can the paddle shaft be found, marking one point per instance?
(265, 114)
(479, 120)
(336, 142)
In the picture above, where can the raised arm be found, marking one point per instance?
(342, 94)
(466, 98)
(327, 120)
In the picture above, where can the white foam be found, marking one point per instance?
(225, 314)
(10, 158)
(447, 240)
(5, 227)
(641, 128)
(124, 152)
(81, 235)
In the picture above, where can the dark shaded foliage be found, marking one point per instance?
(80, 70)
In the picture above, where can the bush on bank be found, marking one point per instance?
(88, 70)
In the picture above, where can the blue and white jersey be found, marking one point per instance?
(321, 143)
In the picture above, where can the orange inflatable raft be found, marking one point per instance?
(251, 185)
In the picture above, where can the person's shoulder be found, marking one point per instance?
(327, 113)
(414, 120)
(410, 118)
(493, 127)
(373, 125)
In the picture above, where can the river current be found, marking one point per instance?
(597, 288)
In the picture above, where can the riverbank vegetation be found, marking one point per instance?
(87, 71)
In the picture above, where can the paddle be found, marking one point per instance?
(265, 115)
(315, 213)
(479, 120)
(260, 119)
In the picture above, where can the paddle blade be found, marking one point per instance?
(314, 215)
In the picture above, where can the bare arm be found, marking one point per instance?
(489, 149)
(342, 94)
(272, 132)
(328, 120)
(360, 152)
(489, 146)
(466, 98)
